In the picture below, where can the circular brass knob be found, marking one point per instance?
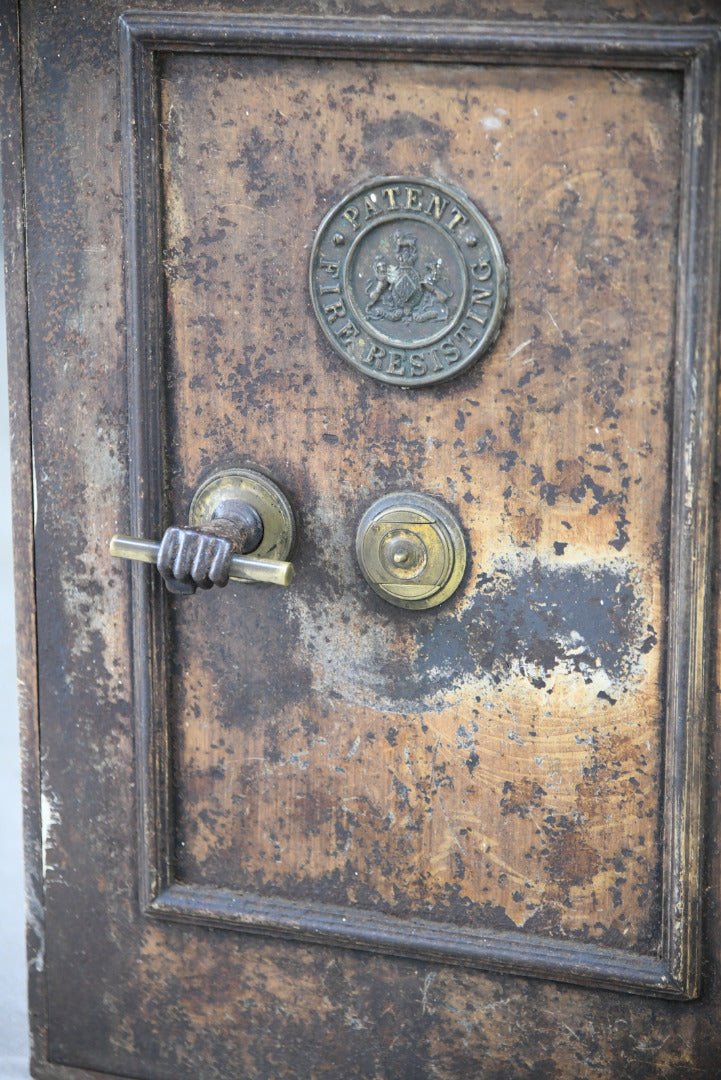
(411, 550)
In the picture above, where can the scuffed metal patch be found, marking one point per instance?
(527, 618)
(50, 820)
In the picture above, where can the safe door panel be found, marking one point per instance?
(495, 763)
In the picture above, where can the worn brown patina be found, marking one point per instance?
(497, 765)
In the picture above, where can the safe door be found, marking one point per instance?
(403, 333)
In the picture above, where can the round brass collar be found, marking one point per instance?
(411, 550)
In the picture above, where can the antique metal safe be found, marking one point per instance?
(403, 318)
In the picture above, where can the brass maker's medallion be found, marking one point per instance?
(408, 280)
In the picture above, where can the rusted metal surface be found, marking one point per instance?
(496, 763)
(21, 463)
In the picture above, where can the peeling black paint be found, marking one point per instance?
(588, 619)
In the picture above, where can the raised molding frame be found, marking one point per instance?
(694, 52)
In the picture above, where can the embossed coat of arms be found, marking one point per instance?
(408, 280)
(399, 291)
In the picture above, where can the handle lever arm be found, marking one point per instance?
(242, 567)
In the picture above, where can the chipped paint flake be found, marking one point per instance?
(50, 820)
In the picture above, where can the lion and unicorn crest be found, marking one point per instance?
(399, 291)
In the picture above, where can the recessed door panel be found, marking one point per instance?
(496, 762)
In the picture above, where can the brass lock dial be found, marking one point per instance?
(411, 550)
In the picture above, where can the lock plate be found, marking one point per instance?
(411, 550)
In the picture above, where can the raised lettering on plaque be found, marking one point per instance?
(408, 281)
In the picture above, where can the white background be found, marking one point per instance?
(14, 1051)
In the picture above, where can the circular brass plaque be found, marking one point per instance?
(408, 281)
(411, 550)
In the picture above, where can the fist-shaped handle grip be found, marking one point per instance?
(233, 513)
(190, 559)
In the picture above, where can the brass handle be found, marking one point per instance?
(241, 528)
(242, 567)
